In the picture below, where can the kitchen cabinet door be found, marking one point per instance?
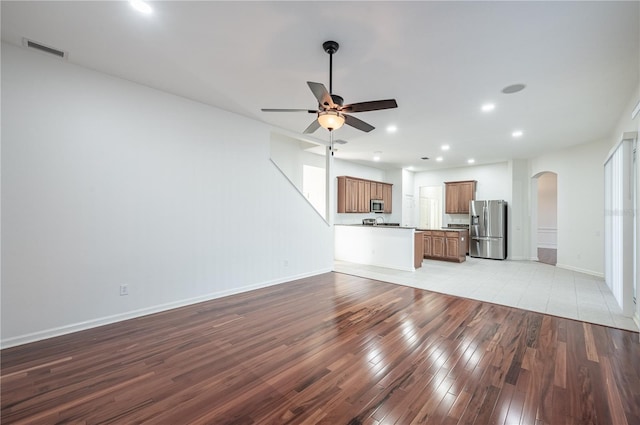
(376, 190)
(451, 199)
(428, 240)
(364, 196)
(387, 197)
(437, 247)
(452, 247)
(352, 195)
(466, 193)
(458, 195)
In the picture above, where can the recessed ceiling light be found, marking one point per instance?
(444, 147)
(517, 133)
(410, 168)
(392, 129)
(439, 159)
(376, 156)
(471, 161)
(487, 107)
(141, 6)
(513, 88)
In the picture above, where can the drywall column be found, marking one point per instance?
(518, 216)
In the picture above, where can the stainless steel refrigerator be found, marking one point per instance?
(488, 229)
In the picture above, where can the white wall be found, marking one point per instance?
(290, 156)
(547, 211)
(105, 182)
(519, 233)
(580, 186)
(547, 200)
(409, 201)
(492, 183)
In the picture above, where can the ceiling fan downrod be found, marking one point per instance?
(330, 47)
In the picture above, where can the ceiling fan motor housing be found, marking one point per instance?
(338, 100)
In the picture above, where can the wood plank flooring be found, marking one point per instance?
(331, 349)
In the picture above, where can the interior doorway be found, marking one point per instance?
(430, 207)
(546, 225)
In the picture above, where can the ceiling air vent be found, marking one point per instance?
(340, 142)
(46, 49)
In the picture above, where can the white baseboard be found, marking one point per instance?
(636, 319)
(547, 245)
(518, 258)
(89, 324)
(577, 269)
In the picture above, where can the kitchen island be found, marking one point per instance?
(393, 247)
(448, 244)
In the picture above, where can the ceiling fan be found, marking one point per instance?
(332, 113)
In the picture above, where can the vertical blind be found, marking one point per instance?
(619, 225)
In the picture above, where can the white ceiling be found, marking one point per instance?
(440, 60)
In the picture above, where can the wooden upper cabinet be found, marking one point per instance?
(387, 197)
(458, 195)
(355, 195)
(347, 195)
(364, 196)
(376, 190)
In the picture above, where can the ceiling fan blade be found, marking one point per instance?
(312, 127)
(321, 93)
(359, 124)
(374, 105)
(288, 110)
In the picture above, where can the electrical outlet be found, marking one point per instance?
(286, 263)
(124, 290)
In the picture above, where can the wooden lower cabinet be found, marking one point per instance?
(452, 248)
(427, 238)
(418, 248)
(466, 242)
(437, 244)
(444, 245)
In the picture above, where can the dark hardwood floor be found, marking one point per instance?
(332, 349)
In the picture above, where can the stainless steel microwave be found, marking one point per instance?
(377, 206)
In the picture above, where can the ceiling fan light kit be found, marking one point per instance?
(331, 109)
(331, 120)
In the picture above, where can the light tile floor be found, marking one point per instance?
(523, 284)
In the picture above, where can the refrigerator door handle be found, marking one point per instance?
(484, 216)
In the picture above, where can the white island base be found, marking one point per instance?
(391, 247)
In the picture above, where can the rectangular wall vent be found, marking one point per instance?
(46, 49)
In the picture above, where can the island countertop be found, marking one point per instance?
(378, 226)
(447, 229)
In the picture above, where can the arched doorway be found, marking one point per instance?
(545, 217)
